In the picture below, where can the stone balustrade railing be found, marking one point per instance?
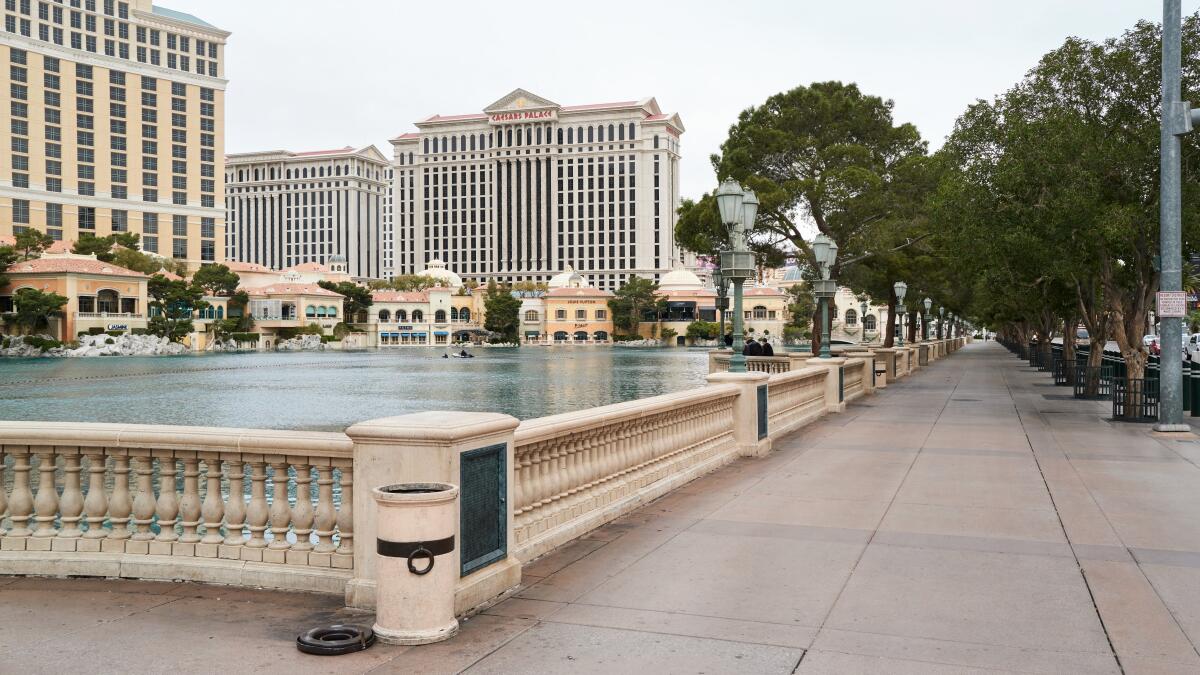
(278, 509)
(240, 506)
(719, 363)
(576, 471)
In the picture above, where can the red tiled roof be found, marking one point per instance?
(73, 265)
(314, 153)
(760, 290)
(400, 296)
(311, 266)
(170, 275)
(598, 106)
(292, 289)
(407, 136)
(577, 293)
(235, 266)
(455, 118)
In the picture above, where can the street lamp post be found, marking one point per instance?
(738, 209)
(925, 317)
(900, 288)
(825, 251)
(1178, 118)
(722, 286)
(941, 319)
(862, 319)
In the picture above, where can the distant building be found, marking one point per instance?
(285, 209)
(528, 187)
(113, 121)
(99, 295)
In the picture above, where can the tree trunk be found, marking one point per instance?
(913, 321)
(889, 339)
(816, 331)
(1068, 352)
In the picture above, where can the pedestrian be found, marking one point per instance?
(728, 340)
(752, 348)
(767, 349)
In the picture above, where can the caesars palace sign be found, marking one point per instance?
(546, 115)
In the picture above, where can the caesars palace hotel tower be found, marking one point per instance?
(528, 187)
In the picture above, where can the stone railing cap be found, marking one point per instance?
(433, 425)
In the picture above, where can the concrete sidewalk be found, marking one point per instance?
(970, 517)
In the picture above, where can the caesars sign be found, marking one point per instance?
(517, 116)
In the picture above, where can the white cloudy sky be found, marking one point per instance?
(309, 74)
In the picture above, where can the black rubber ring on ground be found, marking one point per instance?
(335, 640)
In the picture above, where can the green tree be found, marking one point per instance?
(217, 280)
(172, 302)
(31, 242)
(90, 244)
(502, 312)
(703, 330)
(408, 283)
(8, 256)
(355, 299)
(801, 306)
(828, 155)
(35, 307)
(632, 301)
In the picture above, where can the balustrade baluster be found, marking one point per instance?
(213, 509)
(189, 506)
(302, 512)
(345, 517)
(281, 512)
(257, 513)
(520, 476)
(542, 482)
(143, 503)
(167, 507)
(3, 497)
(70, 504)
(20, 503)
(575, 470)
(326, 517)
(235, 511)
(96, 504)
(46, 502)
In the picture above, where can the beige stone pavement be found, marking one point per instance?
(970, 518)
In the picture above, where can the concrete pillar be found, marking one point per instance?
(750, 436)
(429, 447)
(834, 400)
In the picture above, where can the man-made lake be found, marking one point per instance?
(328, 391)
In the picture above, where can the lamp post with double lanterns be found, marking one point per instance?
(925, 318)
(900, 288)
(862, 319)
(825, 251)
(739, 208)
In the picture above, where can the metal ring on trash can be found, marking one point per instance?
(420, 551)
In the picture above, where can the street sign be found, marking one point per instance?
(1172, 304)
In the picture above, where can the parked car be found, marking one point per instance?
(1081, 335)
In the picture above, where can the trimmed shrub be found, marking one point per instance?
(139, 331)
(42, 343)
(244, 337)
(95, 330)
(115, 333)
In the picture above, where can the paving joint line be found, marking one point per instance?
(1062, 526)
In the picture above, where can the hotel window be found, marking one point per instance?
(149, 223)
(207, 251)
(581, 315)
(54, 215)
(560, 314)
(179, 248)
(120, 220)
(208, 227)
(179, 226)
(20, 210)
(150, 244)
(87, 218)
(601, 315)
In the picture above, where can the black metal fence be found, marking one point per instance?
(1093, 383)
(1135, 400)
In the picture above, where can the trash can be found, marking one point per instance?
(415, 573)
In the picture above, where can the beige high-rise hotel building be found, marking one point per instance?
(528, 187)
(289, 208)
(114, 123)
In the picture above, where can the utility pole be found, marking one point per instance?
(1177, 120)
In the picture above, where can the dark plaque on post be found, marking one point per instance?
(483, 507)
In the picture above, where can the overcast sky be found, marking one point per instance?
(312, 75)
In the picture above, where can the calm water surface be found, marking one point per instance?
(331, 390)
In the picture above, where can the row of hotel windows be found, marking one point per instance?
(85, 137)
(531, 316)
(50, 32)
(86, 224)
(270, 173)
(526, 135)
(400, 316)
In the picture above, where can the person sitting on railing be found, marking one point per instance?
(767, 349)
(752, 348)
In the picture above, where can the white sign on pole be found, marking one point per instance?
(1172, 304)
